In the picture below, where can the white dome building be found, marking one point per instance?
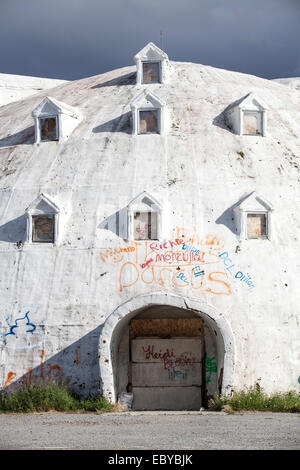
(150, 234)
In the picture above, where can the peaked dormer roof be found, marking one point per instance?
(145, 201)
(254, 202)
(145, 99)
(151, 52)
(43, 205)
(251, 102)
(51, 106)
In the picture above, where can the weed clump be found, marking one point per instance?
(255, 399)
(48, 397)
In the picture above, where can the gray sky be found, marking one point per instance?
(72, 39)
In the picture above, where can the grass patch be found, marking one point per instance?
(255, 399)
(46, 397)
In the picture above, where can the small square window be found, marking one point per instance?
(48, 127)
(252, 123)
(257, 225)
(145, 226)
(43, 228)
(148, 122)
(151, 72)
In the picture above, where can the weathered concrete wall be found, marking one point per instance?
(17, 87)
(55, 300)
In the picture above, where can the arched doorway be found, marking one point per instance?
(173, 327)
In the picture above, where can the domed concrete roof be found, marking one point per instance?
(196, 157)
(293, 82)
(17, 87)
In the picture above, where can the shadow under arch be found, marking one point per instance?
(114, 324)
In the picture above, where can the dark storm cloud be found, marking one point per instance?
(77, 38)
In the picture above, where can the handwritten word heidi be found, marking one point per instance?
(237, 274)
(157, 355)
(169, 359)
(164, 357)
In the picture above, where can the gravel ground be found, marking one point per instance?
(150, 430)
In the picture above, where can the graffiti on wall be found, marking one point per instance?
(22, 332)
(45, 372)
(177, 366)
(31, 326)
(188, 261)
(115, 255)
(198, 272)
(210, 368)
(231, 268)
(168, 264)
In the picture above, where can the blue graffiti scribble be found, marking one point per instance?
(173, 373)
(197, 271)
(28, 323)
(182, 277)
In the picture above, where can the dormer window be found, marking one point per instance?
(144, 218)
(248, 116)
(148, 114)
(151, 72)
(48, 128)
(253, 218)
(152, 65)
(54, 121)
(42, 221)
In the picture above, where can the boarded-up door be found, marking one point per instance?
(166, 370)
(252, 123)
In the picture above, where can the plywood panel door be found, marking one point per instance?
(166, 373)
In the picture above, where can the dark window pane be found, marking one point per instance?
(150, 72)
(43, 228)
(48, 129)
(148, 122)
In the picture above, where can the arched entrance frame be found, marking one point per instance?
(110, 335)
